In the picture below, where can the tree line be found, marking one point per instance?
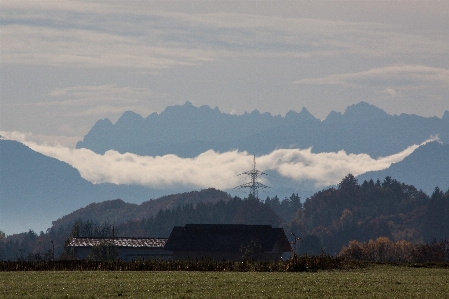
(391, 209)
(327, 221)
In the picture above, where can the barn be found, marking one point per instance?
(127, 248)
(227, 242)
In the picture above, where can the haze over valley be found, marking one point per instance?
(123, 103)
(31, 181)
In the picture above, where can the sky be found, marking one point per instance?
(67, 64)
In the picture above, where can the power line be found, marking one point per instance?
(253, 185)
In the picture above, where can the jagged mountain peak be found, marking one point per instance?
(306, 115)
(175, 109)
(333, 116)
(102, 124)
(303, 116)
(129, 118)
(189, 111)
(255, 112)
(99, 131)
(130, 115)
(363, 111)
(446, 115)
(187, 131)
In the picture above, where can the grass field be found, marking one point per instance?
(381, 281)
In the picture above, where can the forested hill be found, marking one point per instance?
(361, 212)
(188, 131)
(425, 168)
(117, 211)
(326, 221)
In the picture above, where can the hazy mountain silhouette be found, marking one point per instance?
(184, 130)
(188, 131)
(117, 211)
(36, 189)
(425, 168)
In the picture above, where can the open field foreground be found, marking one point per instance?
(380, 281)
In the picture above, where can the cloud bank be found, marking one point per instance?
(49, 33)
(211, 169)
(394, 75)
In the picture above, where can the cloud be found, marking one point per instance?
(135, 35)
(81, 95)
(390, 91)
(86, 48)
(211, 169)
(394, 75)
(327, 168)
(99, 101)
(48, 140)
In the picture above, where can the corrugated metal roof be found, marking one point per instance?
(119, 242)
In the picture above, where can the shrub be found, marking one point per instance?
(384, 250)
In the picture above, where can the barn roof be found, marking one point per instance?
(225, 237)
(119, 242)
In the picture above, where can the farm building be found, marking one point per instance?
(227, 241)
(127, 248)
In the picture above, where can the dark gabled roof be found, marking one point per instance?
(225, 237)
(119, 242)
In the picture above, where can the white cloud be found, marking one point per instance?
(238, 56)
(211, 169)
(97, 101)
(48, 140)
(394, 75)
(390, 91)
(86, 48)
(82, 95)
(134, 35)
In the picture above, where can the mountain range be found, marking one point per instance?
(36, 190)
(188, 131)
(426, 168)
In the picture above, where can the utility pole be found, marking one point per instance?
(294, 242)
(53, 250)
(253, 185)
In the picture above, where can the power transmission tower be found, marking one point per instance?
(253, 185)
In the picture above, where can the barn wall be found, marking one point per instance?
(223, 255)
(128, 254)
(131, 253)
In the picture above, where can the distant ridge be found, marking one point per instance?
(187, 131)
(119, 211)
(36, 189)
(425, 168)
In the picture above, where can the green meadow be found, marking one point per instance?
(380, 281)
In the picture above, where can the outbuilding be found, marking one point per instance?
(227, 242)
(127, 248)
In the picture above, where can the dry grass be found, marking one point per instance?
(379, 281)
